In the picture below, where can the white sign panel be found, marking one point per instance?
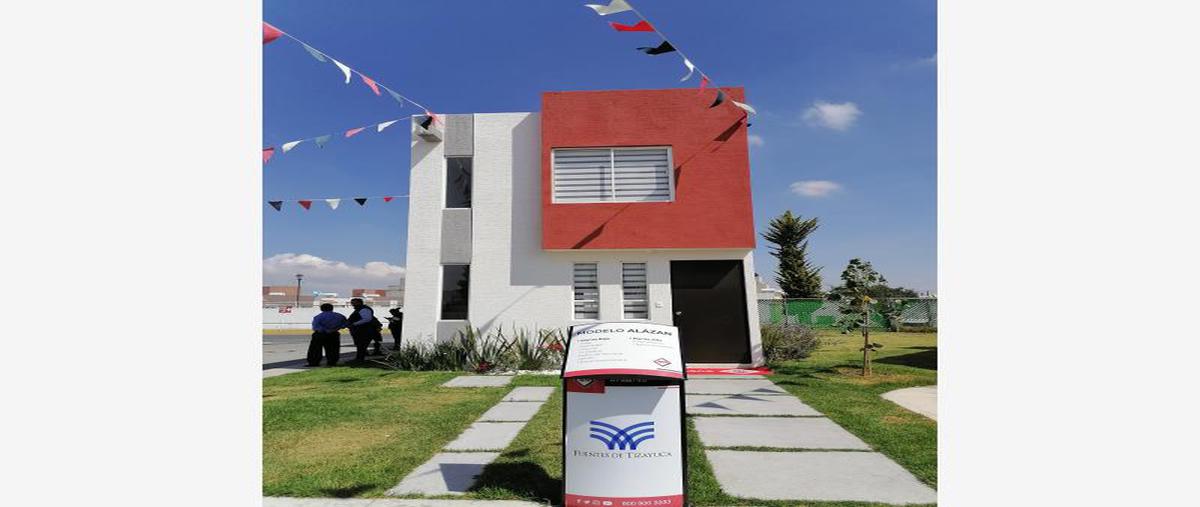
(623, 445)
(624, 348)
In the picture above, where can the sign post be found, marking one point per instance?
(623, 407)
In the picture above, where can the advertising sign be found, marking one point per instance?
(623, 443)
(624, 348)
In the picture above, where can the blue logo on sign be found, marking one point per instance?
(622, 438)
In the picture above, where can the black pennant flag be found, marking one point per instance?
(427, 122)
(665, 47)
(720, 99)
(278, 205)
(362, 201)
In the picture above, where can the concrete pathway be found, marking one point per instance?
(804, 456)
(922, 400)
(454, 471)
(278, 501)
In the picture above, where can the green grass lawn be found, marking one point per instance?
(357, 432)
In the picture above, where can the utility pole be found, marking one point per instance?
(298, 278)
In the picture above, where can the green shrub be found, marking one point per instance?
(470, 350)
(783, 342)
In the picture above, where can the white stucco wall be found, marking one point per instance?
(513, 280)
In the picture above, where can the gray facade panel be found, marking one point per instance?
(456, 236)
(446, 329)
(460, 135)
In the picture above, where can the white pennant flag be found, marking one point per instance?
(746, 107)
(691, 69)
(345, 69)
(385, 124)
(333, 203)
(613, 7)
(289, 146)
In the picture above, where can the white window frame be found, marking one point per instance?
(612, 179)
(646, 274)
(598, 289)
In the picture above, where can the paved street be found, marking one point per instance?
(285, 353)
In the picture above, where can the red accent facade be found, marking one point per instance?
(712, 207)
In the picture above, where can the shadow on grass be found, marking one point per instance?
(526, 480)
(347, 492)
(925, 359)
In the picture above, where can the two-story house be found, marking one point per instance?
(629, 205)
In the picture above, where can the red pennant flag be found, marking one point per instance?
(351, 132)
(370, 82)
(267, 152)
(387, 199)
(305, 204)
(703, 81)
(270, 33)
(641, 26)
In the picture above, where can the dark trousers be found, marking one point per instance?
(361, 342)
(396, 332)
(327, 342)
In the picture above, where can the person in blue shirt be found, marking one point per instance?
(325, 326)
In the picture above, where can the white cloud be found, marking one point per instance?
(329, 275)
(814, 188)
(838, 117)
(756, 140)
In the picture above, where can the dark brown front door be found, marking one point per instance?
(709, 303)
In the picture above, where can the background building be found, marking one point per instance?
(284, 295)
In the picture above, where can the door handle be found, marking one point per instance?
(678, 314)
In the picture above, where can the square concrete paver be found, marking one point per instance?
(779, 432)
(486, 436)
(736, 386)
(529, 394)
(447, 473)
(479, 381)
(512, 411)
(830, 476)
(743, 404)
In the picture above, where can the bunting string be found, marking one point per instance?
(644, 25)
(320, 141)
(332, 202)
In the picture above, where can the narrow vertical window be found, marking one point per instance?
(456, 285)
(587, 292)
(458, 182)
(633, 290)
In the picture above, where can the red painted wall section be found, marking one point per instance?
(712, 207)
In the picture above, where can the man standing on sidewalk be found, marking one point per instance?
(325, 326)
(364, 328)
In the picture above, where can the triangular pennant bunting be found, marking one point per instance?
(703, 81)
(691, 69)
(333, 203)
(305, 204)
(288, 146)
(345, 69)
(665, 47)
(278, 205)
(396, 96)
(351, 132)
(720, 99)
(426, 122)
(267, 152)
(322, 140)
(384, 125)
(370, 82)
(270, 33)
(613, 7)
(641, 26)
(745, 107)
(315, 54)
(388, 199)
(362, 201)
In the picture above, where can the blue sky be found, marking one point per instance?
(846, 92)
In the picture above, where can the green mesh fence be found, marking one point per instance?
(914, 313)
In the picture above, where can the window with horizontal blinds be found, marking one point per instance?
(587, 292)
(633, 290)
(612, 174)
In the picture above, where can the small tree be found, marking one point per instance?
(795, 275)
(859, 280)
